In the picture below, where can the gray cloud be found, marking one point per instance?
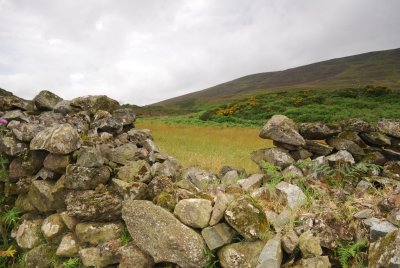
(146, 51)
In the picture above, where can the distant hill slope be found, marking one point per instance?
(374, 68)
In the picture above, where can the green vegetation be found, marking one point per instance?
(212, 260)
(72, 263)
(125, 237)
(351, 252)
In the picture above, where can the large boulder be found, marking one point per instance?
(94, 103)
(135, 171)
(60, 139)
(386, 251)
(123, 154)
(318, 130)
(240, 255)
(165, 238)
(282, 129)
(46, 100)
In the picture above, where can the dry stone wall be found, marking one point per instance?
(90, 185)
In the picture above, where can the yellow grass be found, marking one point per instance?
(207, 147)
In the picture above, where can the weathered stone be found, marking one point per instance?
(165, 238)
(316, 262)
(84, 178)
(52, 228)
(271, 255)
(94, 205)
(96, 233)
(57, 162)
(126, 116)
(39, 257)
(11, 147)
(218, 235)
(293, 194)
(392, 170)
(318, 148)
(389, 202)
(251, 183)
(342, 144)
(240, 255)
(60, 139)
(151, 146)
(94, 103)
(221, 202)
(309, 245)
(12, 102)
(318, 130)
(280, 220)
(231, 177)
(390, 127)
(340, 157)
(394, 217)
(28, 234)
(122, 154)
(379, 228)
(23, 203)
(200, 178)
(292, 172)
(132, 257)
(90, 157)
(356, 125)
(376, 139)
(247, 218)
(64, 107)
(300, 154)
(169, 168)
(285, 146)
(27, 165)
(130, 190)
(194, 212)
(276, 156)
(376, 158)
(364, 214)
(41, 196)
(46, 100)
(138, 136)
(107, 124)
(81, 122)
(92, 257)
(69, 221)
(135, 171)
(225, 169)
(27, 131)
(386, 251)
(290, 241)
(282, 129)
(68, 246)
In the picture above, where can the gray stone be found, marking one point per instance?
(294, 195)
(316, 262)
(300, 154)
(69, 221)
(292, 172)
(282, 129)
(94, 103)
(90, 157)
(218, 235)
(350, 146)
(28, 234)
(57, 162)
(240, 255)
(27, 131)
(309, 245)
(68, 246)
(27, 165)
(96, 233)
(247, 218)
(290, 241)
(271, 255)
(200, 178)
(135, 171)
(126, 116)
(60, 139)
(276, 156)
(356, 125)
(64, 107)
(16, 115)
(253, 182)
(318, 130)
(376, 139)
(130, 190)
(92, 257)
(194, 212)
(52, 228)
(46, 100)
(138, 136)
(225, 169)
(364, 214)
(165, 238)
(122, 154)
(151, 146)
(84, 178)
(379, 228)
(231, 177)
(10, 146)
(340, 157)
(318, 148)
(394, 216)
(221, 202)
(41, 196)
(386, 251)
(390, 127)
(132, 257)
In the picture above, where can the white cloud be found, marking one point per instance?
(146, 51)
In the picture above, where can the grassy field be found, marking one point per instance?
(207, 147)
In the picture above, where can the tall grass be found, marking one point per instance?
(207, 147)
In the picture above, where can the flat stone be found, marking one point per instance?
(341, 157)
(135, 171)
(96, 233)
(379, 228)
(240, 255)
(271, 255)
(27, 131)
(165, 238)
(376, 139)
(253, 182)
(68, 246)
(356, 125)
(220, 204)
(90, 158)
(318, 148)
(218, 235)
(282, 129)
(41, 196)
(94, 103)
(122, 154)
(318, 130)
(57, 162)
(130, 190)
(364, 214)
(60, 139)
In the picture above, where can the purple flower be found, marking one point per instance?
(3, 121)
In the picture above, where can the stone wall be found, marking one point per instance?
(90, 185)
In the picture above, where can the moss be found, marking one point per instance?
(166, 200)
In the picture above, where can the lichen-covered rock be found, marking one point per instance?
(132, 257)
(309, 245)
(300, 154)
(85, 178)
(240, 255)
(27, 165)
(282, 129)
(290, 241)
(379, 228)
(251, 183)
(90, 158)
(28, 234)
(356, 125)
(218, 235)
(10, 146)
(68, 247)
(60, 139)
(276, 156)
(69, 221)
(46, 100)
(247, 218)
(390, 127)
(96, 232)
(350, 146)
(318, 130)
(169, 168)
(165, 238)
(294, 195)
(316, 262)
(12, 102)
(376, 139)
(200, 178)
(271, 255)
(340, 157)
(122, 154)
(42, 197)
(126, 116)
(52, 228)
(92, 257)
(385, 252)
(40, 257)
(230, 178)
(94, 103)
(27, 131)
(318, 148)
(130, 190)
(138, 136)
(392, 170)
(57, 162)
(135, 171)
(94, 205)
(23, 203)
(221, 202)
(194, 212)
(64, 107)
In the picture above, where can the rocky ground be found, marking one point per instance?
(82, 186)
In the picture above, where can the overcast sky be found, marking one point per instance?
(146, 51)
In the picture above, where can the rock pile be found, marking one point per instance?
(90, 185)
